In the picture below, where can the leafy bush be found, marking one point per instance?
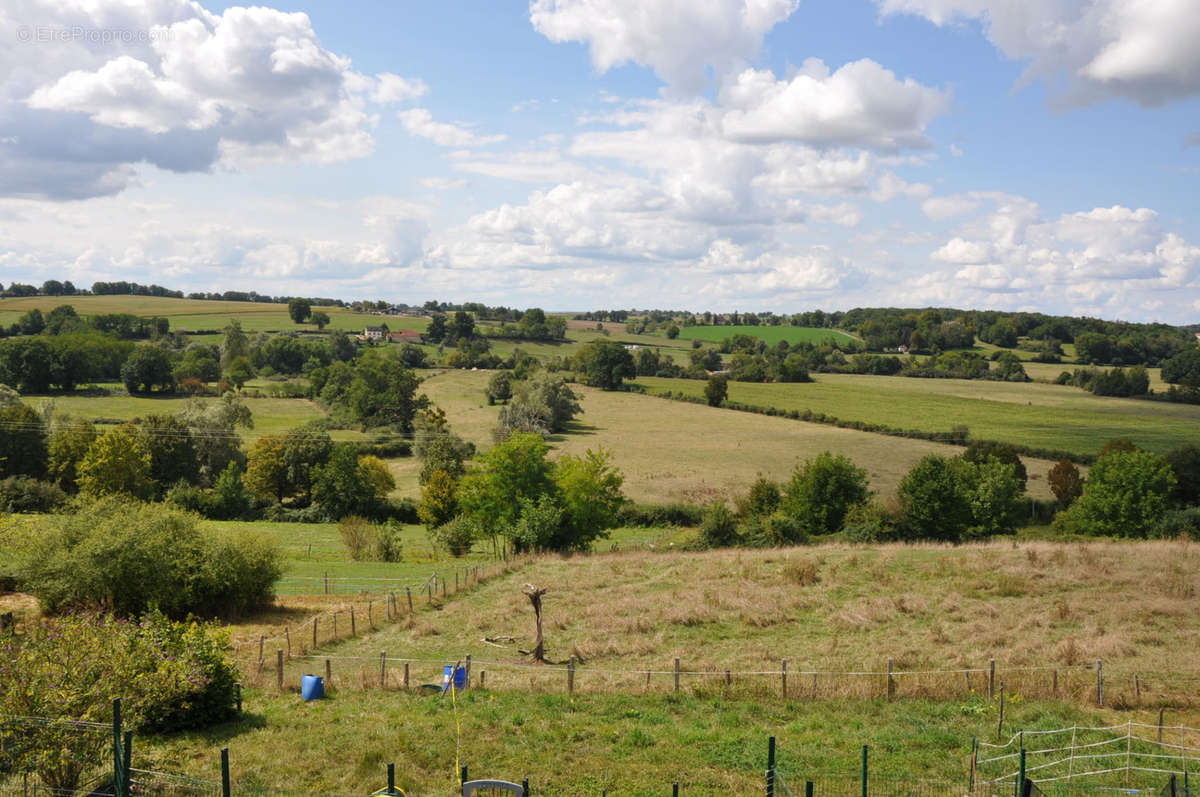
(365, 541)
(658, 515)
(25, 494)
(126, 557)
(170, 676)
(871, 522)
(1126, 495)
(457, 536)
(1179, 523)
(718, 526)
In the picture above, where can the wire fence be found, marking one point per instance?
(504, 668)
(1132, 755)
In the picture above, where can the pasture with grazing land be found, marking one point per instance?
(769, 334)
(674, 451)
(1031, 414)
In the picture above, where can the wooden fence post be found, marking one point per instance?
(1055, 684)
(328, 674)
(571, 676)
(991, 679)
(891, 686)
(279, 668)
(728, 678)
(353, 627)
(382, 669)
(1137, 688)
(326, 582)
(335, 614)
(287, 632)
(468, 670)
(482, 678)
(314, 633)
(370, 614)
(408, 591)
(456, 579)
(406, 675)
(1099, 683)
(676, 675)
(261, 641)
(1160, 723)
(783, 678)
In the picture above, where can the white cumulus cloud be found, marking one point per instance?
(679, 39)
(1142, 50)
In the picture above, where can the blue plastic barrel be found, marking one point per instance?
(458, 674)
(312, 687)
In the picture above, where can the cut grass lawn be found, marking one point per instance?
(1031, 414)
(771, 335)
(674, 451)
(625, 744)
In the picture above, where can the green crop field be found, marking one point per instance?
(1032, 414)
(770, 334)
(673, 451)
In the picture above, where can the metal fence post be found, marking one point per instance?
(771, 766)
(119, 786)
(864, 771)
(225, 787)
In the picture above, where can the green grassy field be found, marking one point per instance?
(824, 608)
(195, 314)
(626, 744)
(270, 415)
(312, 551)
(771, 335)
(673, 451)
(1032, 414)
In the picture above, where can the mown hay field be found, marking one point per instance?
(675, 451)
(1030, 413)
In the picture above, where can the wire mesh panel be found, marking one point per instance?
(492, 788)
(146, 782)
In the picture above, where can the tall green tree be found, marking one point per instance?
(1125, 495)
(935, 497)
(716, 389)
(23, 442)
(69, 444)
(320, 319)
(823, 490)
(604, 364)
(342, 486)
(299, 310)
(511, 471)
(589, 489)
(117, 464)
(383, 392)
(147, 369)
(266, 468)
(172, 449)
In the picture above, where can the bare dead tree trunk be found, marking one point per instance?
(535, 597)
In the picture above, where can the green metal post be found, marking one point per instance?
(1021, 776)
(675, 789)
(864, 771)
(127, 764)
(808, 788)
(771, 766)
(525, 787)
(225, 790)
(119, 786)
(463, 774)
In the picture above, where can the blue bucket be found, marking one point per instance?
(312, 687)
(458, 674)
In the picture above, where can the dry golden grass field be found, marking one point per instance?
(1048, 606)
(672, 451)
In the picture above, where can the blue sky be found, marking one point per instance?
(575, 154)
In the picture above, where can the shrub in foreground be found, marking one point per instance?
(170, 676)
(127, 557)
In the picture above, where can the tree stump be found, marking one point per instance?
(535, 597)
